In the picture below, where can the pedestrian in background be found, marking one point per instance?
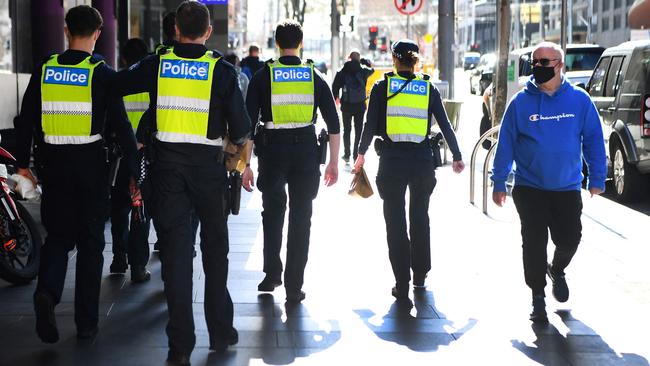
(67, 109)
(243, 79)
(195, 102)
(547, 130)
(252, 63)
(352, 79)
(284, 97)
(130, 236)
(399, 111)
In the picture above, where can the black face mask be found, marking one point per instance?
(543, 74)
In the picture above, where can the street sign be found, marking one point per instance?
(408, 7)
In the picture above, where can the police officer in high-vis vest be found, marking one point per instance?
(67, 111)
(195, 102)
(129, 236)
(399, 111)
(284, 97)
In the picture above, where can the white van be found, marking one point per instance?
(580, 61)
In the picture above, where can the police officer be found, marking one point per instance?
(66, 104)
(287, 93)
(130, 238)
(399, 111)
(195, 101)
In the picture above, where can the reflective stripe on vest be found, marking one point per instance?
(292, 95)
(66, 102)
(407, 116)
(136, 105)
(183, 101)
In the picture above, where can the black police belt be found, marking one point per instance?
(288, 136)
(388, 144)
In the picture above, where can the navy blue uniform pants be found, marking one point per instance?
(178, 190)
(409, 246)
(294, 166)
(133, 238)
(539, 212)
(73, 208)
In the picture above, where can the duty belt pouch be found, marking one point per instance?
(378, 145)
(234, 182)
(323, 138)
(259, 139)
(435, 142)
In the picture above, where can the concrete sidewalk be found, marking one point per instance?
(473, 312)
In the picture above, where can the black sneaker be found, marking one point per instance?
(269, 283)
(45, 319)
(139, 274)
(221, 345)
(87, 334)
(418, 280)
(560, 288)
(119, 265)
(539, 310)
(295, 296)
(178, 359)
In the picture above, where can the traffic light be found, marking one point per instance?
(373, 31)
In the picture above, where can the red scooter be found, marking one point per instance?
(20, 240)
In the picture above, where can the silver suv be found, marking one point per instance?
(620, 88)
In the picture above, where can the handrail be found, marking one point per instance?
(483, 138)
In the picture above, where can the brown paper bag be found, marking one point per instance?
(360, 185)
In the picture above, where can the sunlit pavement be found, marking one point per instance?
(474, 310)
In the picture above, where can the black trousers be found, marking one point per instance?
(539, 212)
(73, 208)
(177, 191)
(128, 238)
(292, 165)
(347, 128)
(407, 248)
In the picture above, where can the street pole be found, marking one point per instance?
(501, 90)
(563, 26)
(542, 29)
(408, 26)
(590, 15)
(446, 42)
(335, 38)
(569, 20)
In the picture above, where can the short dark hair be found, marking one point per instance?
(83, 21)
(134, 50)
(231, 58)
(253, 48)
(288, 34)
(192, 19)
(169, 26)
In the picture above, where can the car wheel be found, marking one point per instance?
(628, 182)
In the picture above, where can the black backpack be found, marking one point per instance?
(354, 89)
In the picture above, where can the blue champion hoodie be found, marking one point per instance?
(547, 136)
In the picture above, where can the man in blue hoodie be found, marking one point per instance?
(547, 129)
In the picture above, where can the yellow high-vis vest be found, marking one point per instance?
(136, 105)
(292, 95)
(183, 100)
(66, 102)
(407, 113)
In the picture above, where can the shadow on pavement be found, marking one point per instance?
(283, 336)
(553, 348)
(425, 331)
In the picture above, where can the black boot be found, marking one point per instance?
(45, 319)
(139, 274)
(539, 310)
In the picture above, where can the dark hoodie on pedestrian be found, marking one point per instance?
(351, 70)
(547, 137)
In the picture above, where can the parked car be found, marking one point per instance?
(620, 89)
(580, 60)
(482, 75)
(470, 60)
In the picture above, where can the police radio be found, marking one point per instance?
(323, 138)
